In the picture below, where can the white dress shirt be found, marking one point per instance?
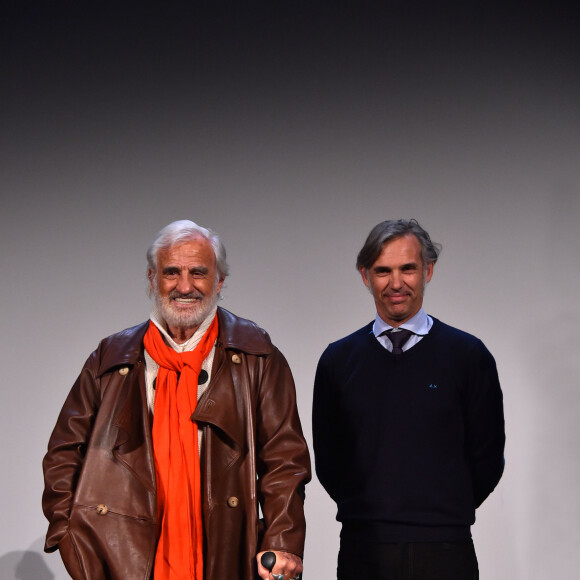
(420, 325)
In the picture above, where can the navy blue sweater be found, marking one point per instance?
(408, 445)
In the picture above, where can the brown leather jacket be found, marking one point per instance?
(99, 474)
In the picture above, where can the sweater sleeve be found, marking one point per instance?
(328, 429)
(484, 423)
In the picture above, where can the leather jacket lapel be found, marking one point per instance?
(222, 405)
(133, 446)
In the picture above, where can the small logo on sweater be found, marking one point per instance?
(433, 386)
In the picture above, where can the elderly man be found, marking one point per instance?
(174, 436)
(408, 424)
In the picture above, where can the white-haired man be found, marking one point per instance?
(176, 433)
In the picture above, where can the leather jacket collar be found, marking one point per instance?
(234, 333)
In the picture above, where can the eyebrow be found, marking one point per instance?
(201, 269)
(406, 266)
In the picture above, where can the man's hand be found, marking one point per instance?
(289, 565)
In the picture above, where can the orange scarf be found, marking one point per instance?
(179, 553)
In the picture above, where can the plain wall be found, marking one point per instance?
(291, 132)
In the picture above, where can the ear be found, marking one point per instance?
(151, 278)
(219, 286)
(364, 275)
(429, 272)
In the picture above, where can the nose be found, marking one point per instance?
(184, 283)
(396, 280)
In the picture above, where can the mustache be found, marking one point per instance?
(189, 296)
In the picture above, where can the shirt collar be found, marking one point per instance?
(419, 324)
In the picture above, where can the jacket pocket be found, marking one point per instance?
(70, 557)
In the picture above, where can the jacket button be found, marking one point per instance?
(123, 370)
(233, 501)
(236, 359)
(102, 509)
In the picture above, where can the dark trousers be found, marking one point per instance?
(358, 560)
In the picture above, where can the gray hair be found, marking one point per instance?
(390, 230)
(182, 231)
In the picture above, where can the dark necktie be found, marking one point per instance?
(399, 338)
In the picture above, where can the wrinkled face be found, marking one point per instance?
(186, 285)
(397, 279)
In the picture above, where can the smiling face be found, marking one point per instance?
(185, 285)
(397, 279)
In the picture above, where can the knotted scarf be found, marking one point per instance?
(179, 553)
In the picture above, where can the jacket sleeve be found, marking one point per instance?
(282, 458)
(66, 449)
(484, 423)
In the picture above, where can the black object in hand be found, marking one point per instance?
(268, 560)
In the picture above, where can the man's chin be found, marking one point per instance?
(184, 316)
(185, 321)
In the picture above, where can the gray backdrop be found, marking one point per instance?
(291, 131)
